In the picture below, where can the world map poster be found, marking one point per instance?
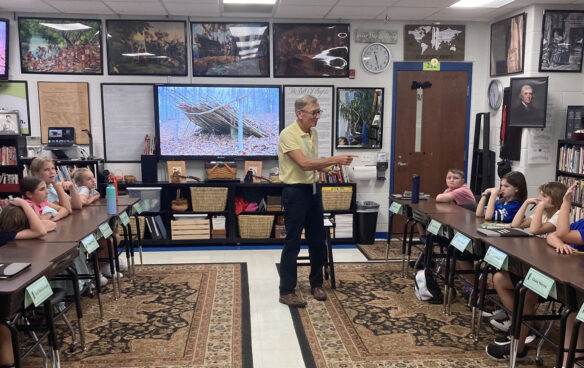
(425, 42)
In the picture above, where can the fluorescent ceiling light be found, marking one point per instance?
(264, 2)
(247, 31)
(66, 27)
(480, 3)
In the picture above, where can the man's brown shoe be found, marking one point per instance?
(318, 293)
(292, 300)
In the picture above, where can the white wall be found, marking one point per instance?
(564, 89)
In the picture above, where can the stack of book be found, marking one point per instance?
(274, 204)
(338, 174)
(218, 227)
(344, 225)
(8, 155)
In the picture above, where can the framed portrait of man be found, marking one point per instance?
(9, 124)
(528, 102)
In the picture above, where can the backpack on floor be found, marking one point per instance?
(426, 288)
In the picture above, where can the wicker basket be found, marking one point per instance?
(255, 226)
(209, 199)
(133, 226)
(336, 198)
(223, 170)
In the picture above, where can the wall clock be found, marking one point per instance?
(375, 57)
(495, 94)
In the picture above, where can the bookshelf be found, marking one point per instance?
(11, 148)
(570, 167)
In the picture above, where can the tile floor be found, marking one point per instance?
(274, 341)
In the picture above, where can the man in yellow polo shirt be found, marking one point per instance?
(298, 160)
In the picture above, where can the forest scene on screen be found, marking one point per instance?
(218, 121)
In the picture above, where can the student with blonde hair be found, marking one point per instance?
(44, 168)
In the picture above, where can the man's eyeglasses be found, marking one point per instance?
(313, 113)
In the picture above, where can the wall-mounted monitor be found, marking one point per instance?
(218, 121)
(4, 26)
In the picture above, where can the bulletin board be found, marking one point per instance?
(324, 127)
(64, 104)
(128, 116)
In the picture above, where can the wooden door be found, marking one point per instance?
(443, 130)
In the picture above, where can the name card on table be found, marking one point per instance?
(89, 243)
(105, 230)
(540, 284)
(137, 207)
(396, 208)
(461, 242)
(37, 292)
(435, 228)
(497, 259)
(580, 315)
(124, 218)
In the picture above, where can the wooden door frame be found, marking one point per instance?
(418, 66)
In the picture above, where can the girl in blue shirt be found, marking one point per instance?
(504, 202)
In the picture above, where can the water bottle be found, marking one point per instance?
(415, 188)
(110, 195)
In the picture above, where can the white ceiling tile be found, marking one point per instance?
(136, 8)
(356, 12)
(423, 3)
(81, 7)
(353, 3)
(410, 13)
(190, 9)
(302, 11)
(26, 6)
(307, 2)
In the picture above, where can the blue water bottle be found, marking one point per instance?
(415, 188)
(110, 195)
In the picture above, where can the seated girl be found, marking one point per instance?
(86, 185)
(34, 191)
(44, 168)
(18, 221)
(541, 222)
(512, 193)
(567, 239)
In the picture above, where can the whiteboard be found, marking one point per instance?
(128, 115)
(324, 127)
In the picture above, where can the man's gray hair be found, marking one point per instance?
(304, 100)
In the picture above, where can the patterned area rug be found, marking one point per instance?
(191, 315)
(373, 319)
(376, 251)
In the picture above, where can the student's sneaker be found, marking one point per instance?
(501, 353)
(501, 325)
(506, 339)
(498, 314)
(105, 270)
(123, 262)
(102, 280)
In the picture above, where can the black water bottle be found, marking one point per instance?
(415, 188)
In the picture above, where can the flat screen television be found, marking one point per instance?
(4, 26)
(218, 121)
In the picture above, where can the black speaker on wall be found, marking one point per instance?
(149, 168)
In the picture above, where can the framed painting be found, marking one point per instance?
(359, 118)
(574, 120)
(14, 96)
(231, 49)
(426, 42)
(146, 47)
(508, 45)
(311, 50)
(60, 46)
(528, 102)
(9, 123)
(561, 41)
